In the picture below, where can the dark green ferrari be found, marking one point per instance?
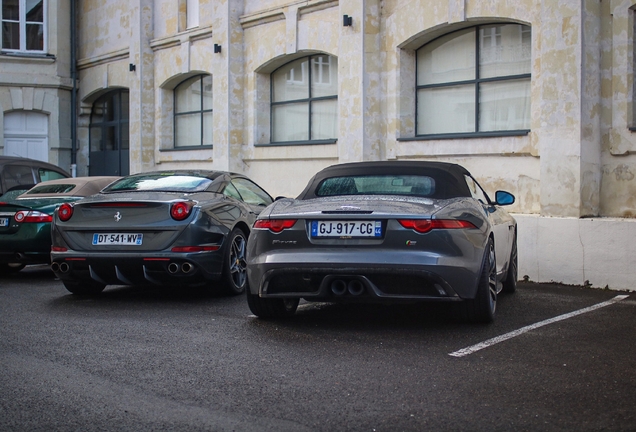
(25, 218)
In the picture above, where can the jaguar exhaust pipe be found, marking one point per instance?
(187, 267)
(64, 267)
(338, 287)
(173, 268)
(355, 287)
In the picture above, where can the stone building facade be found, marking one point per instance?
(536, 98)
(35, 80)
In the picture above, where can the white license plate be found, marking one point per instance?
(342, 229)
(4, 222)
(117, 239)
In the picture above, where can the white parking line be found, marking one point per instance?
(471, 349)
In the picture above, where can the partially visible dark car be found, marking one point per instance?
(25, 219)
(17, 171)
(185, 228)
(384, 232)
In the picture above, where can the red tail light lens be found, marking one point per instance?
(181, 210)
(65, 211)
(274, 225)
(32, 217)
(425, 225)
(189, 249)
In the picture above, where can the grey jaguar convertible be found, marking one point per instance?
(185, 228)
(384, 232)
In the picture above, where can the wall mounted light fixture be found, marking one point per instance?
(217, 48)
(131, 67)
(347, 21)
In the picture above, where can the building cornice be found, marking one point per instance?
(109, 57)
(278, 13)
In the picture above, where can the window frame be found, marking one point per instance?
(202, 113)
(309, 100)
(476, 82)
(119, 120)
(22, 22)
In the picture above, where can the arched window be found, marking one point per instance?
(305, 100)
(475, 81)
(193, 112)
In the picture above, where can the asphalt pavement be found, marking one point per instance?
(139, 358)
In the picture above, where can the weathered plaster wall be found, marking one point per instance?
(594, 252)
(103, 27)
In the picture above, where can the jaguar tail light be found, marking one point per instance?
(274, 225)
(32, 216)
(65, 211)
(180, 210)
(425, 225)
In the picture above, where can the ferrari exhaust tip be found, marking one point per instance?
(355, 287)
(338, 287)
(55, 267)
(187, 267)
(64, 267)
(173, 268)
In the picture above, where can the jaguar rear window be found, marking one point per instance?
(51, 189)
(410, 185)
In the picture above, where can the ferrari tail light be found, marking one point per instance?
(425, 225)
(32, 216)
(274, 225)
(65, 211)
(181, 210)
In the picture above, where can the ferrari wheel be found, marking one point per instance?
(510, 284)
(84, 288)
(11, 267)
(271, 307)
(235, 265)
(482, 308)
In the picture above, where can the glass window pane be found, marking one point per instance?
(324, 76)
(208, 131)
(188, 96)
(110, 142)
(125, 136)
(324, 119)
(504, 105)
(95, 138)
(290, 122)
(109, 107)
(251, 193)
(291, 82)
(15, 175)
(35, 37)
(504, 50)
(35, 11)
(187, 130)
(207, 92)
(10, 35)
(446, 110)
(11, 10)
(450, 58)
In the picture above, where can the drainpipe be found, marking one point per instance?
(73, 92)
